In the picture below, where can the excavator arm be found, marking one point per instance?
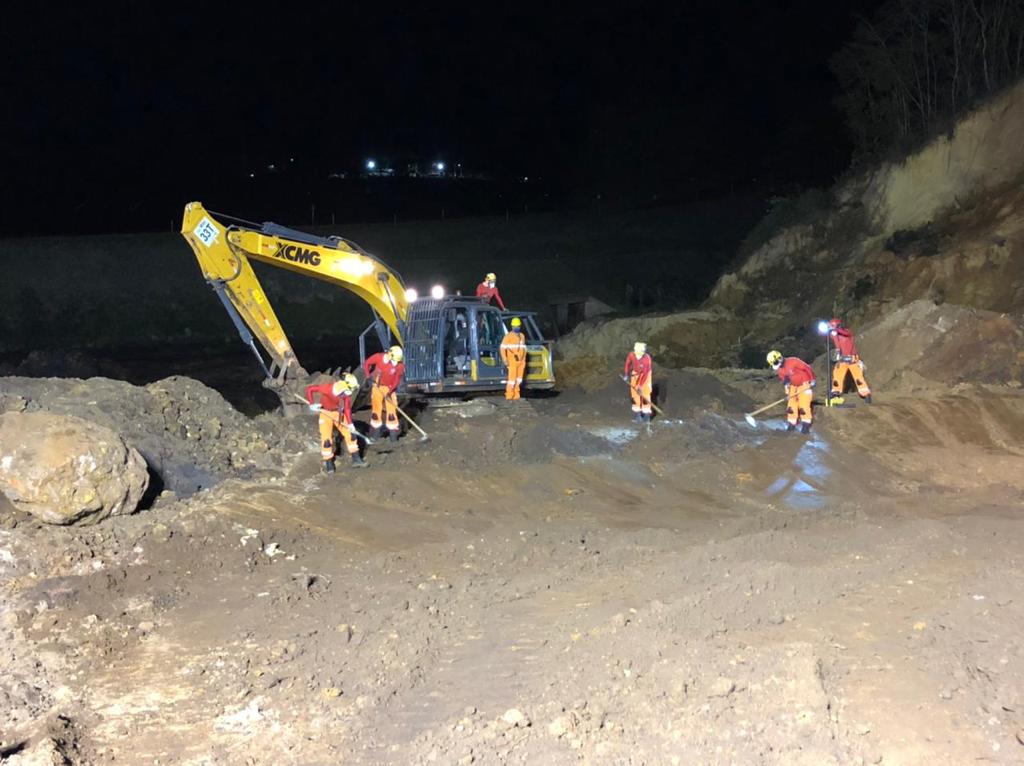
(225, 248)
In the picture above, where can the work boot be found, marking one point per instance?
(357, 461)
(375, 432)
(392, 436)
(790, 427)
(805, 428)
(646, 417)
(329, 466)
(638, 418)
(867, 399)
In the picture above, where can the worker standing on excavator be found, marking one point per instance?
(335, 409)
(385, 370)
(847, 360)
(638, 373)
(798, 378)
(489, 289)
(513, 354)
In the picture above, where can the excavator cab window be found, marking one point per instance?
(457, 342)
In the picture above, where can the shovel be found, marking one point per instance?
(423, 434)
(749, 417)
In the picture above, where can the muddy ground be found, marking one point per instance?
(545, 583)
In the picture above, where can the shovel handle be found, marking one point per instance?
(769, 406)
(411, 422)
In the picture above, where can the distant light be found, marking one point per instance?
(252, 175)
(526, 178)
(823, 327)
(371, 164)
(291, 159)
(439, 165)
(411, 295)
(437, 292)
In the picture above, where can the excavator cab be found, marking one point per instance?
(452, 345)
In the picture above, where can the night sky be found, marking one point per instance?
(118, 114)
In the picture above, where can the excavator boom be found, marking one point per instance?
(224, 248)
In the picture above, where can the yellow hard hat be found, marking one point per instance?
(516, 322)
(491, 277)
(639, 348)
(774, 358)
(395, 352)
(349, 381)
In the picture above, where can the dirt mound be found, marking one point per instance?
(685, 339)
(680, 393)
(924, 344)
(189, 435)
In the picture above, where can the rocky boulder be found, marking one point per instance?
(63, 469)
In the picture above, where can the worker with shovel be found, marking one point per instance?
(335, 410)
(638, 373)
(847, 362)
(385, 370)
(798, 378)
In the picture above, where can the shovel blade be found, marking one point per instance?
(750, 421)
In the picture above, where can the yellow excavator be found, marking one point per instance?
(451, 342)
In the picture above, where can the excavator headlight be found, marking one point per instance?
(411, 294)
(437, 292)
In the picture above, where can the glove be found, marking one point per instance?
(625, 379)
(314, 408)
(863, 366)
(838, 357)
(786, 382)
(352, 428)
(813, 383)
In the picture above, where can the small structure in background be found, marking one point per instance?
(570, 310)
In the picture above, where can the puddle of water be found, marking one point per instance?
(614, 434)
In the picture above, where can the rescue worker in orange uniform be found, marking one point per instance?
(513, 354)
(847, 360)
(335, 409)
(638, 373)
(385, 371)
(489, 289)
(798, 378)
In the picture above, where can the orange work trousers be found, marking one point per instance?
(329, 422)
(856, 369)
(641, 394)
(383, 404)
(516, 370)
(798, 406)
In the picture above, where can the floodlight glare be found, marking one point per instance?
(411, 295)
(371, 164)
(823, 327)
(439, 165)
(437, 292)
